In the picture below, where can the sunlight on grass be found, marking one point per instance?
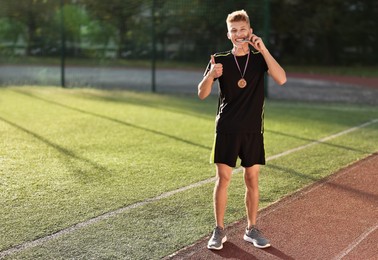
(68, 155)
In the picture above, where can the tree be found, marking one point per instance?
(118, 13)
(331, 32)
(32, 15)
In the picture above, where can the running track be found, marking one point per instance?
(336, 218)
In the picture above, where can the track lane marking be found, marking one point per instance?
(356, 242)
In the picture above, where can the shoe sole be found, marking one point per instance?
(218, 248)
(254, 242)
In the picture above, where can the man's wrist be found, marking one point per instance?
(264, 51)
(209, 76)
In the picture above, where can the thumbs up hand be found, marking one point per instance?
(212, 60)
(216, 69)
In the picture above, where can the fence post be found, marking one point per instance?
(62, 45)
(153, 60)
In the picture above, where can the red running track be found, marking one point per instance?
(350, 80)
(336, 218)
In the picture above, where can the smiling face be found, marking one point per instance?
(238, 31)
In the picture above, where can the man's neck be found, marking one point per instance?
(240, 51)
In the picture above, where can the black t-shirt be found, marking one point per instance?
(240, 110)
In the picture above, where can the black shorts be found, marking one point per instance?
(248, 147)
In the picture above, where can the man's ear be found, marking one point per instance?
(228, 35)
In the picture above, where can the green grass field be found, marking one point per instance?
(71, 155)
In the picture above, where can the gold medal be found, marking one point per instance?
(242, 83)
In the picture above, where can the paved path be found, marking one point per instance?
(309, 87)
(336, 218)
(348, 80)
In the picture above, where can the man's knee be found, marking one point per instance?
(251, 176)
(224, 173)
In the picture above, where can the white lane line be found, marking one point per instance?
(355, 243)
(108, 215)
(347, 131)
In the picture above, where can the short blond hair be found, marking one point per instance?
(238, 16)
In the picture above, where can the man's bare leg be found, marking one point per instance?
(253, 235)
(223, 173)
(251, 178)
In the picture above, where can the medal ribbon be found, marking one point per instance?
(245, 68)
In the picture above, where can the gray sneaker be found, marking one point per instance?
(255, 237)
(217, 239)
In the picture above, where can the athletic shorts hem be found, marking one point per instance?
(227, 148)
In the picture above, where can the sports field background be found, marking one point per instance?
(70, 156)
(76, 42)
(106, 169)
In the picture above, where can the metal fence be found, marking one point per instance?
(157, 45)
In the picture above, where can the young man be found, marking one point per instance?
(239, 121)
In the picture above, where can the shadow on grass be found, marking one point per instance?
(313, 140)
(81, 172)
(117, 121)
(177, 103)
